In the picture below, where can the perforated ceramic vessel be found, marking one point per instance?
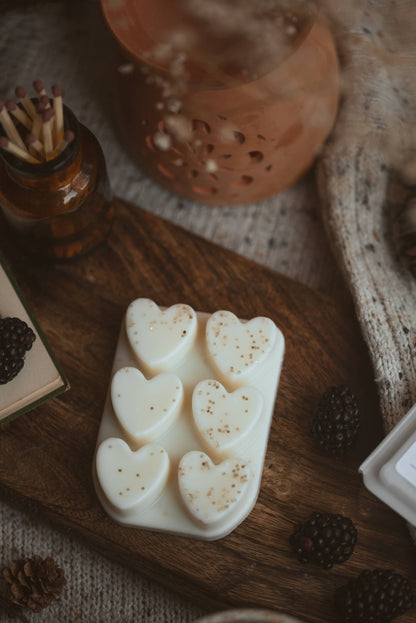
(245, 139)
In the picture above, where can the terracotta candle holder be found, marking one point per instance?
(230, 136)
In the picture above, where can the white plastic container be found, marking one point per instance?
(390, 470)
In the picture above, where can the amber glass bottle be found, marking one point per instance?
(61, 208)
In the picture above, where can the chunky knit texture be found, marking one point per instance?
(368, 168)
(371, 150)
(67, 43)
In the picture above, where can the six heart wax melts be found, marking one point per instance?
(185, 426)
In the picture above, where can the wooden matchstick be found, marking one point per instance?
(35, 144)
(9, 127)
(19, 114)
(59, 113)
(68, 138)
(25, 101)
(47, 118)
(41, 92)
(37, 121)
(14, 149)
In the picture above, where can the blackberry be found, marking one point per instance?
(336, 420)
(16, 338)
(376, 596)
(324, 539)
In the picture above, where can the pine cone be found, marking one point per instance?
(34, 582)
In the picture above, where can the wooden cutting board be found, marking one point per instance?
(46, 455)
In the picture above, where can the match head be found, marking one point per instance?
(4, 142)
(20, 92)
(69, 136)
(38, 85)
(40, 107)
(11, 105)
(44, 99)
(48, 115)
(31, 138)
(57, 90)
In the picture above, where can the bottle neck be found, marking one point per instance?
(52, 179)
(52, 174)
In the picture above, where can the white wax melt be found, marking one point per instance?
(131, 480)
(210, 491)
(184, 431)
(239, 348)
(225, 421)
(160, 338)
(145, 409)
(390, 470)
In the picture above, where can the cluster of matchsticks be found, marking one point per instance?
(34, 128)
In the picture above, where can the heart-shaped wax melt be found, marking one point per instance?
(211, 492)
(239, 348)
(145, 409)
(225, 421)
(131, 480)
(160, 339)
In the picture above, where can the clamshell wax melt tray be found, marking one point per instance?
(390, 470)
(186, 422)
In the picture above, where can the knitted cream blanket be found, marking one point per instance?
(363, 176)
(374, 142)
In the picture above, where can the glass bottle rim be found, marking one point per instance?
(45, 169)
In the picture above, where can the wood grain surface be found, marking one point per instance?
(46, 455)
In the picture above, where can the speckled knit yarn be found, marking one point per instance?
(65, 42)
(373, 145)
(374, 140)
